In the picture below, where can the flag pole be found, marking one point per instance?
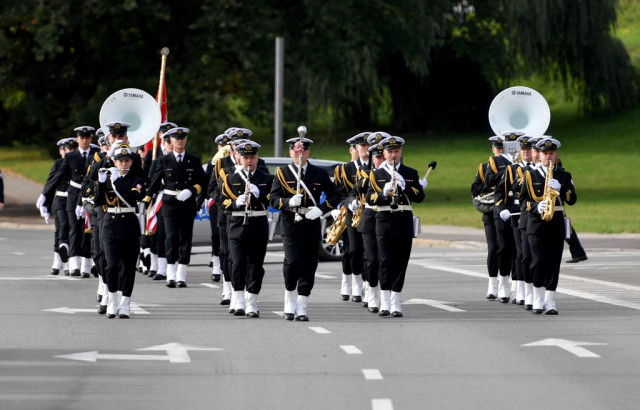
(164, 52)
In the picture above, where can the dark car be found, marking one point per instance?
(327, 252)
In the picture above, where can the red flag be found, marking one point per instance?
(163, 110)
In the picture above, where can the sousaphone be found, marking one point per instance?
(519, 109)
(136, 107)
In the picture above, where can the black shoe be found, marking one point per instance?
(99, 298)
(111, 316)
(520, 302)
(528, 307)
(232, 311)
(123, 316)
(239, 312)
(159, 276)
(66, 273)
(145, 272)
(94, 271)
(365, 304)
(578, 259)
(55, 271)
(146, 261)
(345, 298)
(384, 313)
(504, 300)
(356, 299)
(86, 275)
(152, 273)
(75, 272)
(102, 309)
(225, 302)
(288, 316)
(182, 284)
(253, 314)
(171, 284)
(215, 278)
(551, 312)
(491, 297)
(63, 251)
(373, 309)
(302, 318)
(139, 269)
(537, 311)
(210, 264)
(396, 314)
(513, 301)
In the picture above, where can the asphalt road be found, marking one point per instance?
(453, 349)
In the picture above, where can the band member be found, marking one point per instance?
(367, 225)
(299, 223)
(393, 188)
(507, 197)
(181, 178)
(119, 190)
(246, 193)
(346, 177)
(546, 230)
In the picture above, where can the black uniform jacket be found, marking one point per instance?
(397, 223)
(532, 193)
(346, 177)
(317, 181)
(480, 187)
(368, 220)
(507, 194)
(61, 184)
(497, 167)
(73, 169)
(148, 160)
(169, 175)
(233, 186)
(131, 189)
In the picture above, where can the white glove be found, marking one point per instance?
(313, 213)
(387, 189)
(79, 211)
(46, 217)
(116, 144)
(184, 195)
(354, 205)
(542, 206)
(254, 190)
(207, 203)
(295, 200)
(335, 213)
(400, 181)
(554, 184)
(242, 199)
(40, 201)
(43, 210)
(114, 174)
(423, 183)
(505, 214)
(102, 175)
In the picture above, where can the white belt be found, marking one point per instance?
(170, 192)
(388, 208)
(121, 210)
(75, 184)
(559, 208)
(62, 193)
(250, 213)
(369, 206)
(516, 202)
(302, 210)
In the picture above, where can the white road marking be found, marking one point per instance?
(135, 308)
(279, 313)
(319, 330)
(210, 285)
(433, 303)
(372, 374)
(176, 353)
(568, 345)
(322, 276)
(351, 349)
(381, 404)
(18, 253)
(50, 277)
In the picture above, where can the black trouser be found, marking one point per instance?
(492, 248)
(225, 258)
(61, 220)
(215, 230)
(394, 253)
(97, 252)
(179, 231)
(300, 264)
(526, 257)
(248, 264)
(76, 233)
(121, 256)
(371, 262)
(506, 247)
(576, 249)
(546, 256)
(518, 273)
(157, 240)
(346, 256)
(356, 248)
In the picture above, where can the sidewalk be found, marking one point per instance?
(20, 195)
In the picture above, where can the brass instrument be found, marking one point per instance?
(550, 194)
(357, 215)
(247, 193)
(222, 153)
(394, 188)
(337, 227)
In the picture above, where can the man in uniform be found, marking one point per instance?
(546, 237)
(181, 177)
(346, 177)
(393, 188)
(299, 223)
(246, 194)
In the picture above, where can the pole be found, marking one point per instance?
(164, 52)
(279, 97)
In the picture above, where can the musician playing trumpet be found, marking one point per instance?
(544, 188)
(393, 188)
(246, 195)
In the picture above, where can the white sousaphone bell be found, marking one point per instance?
(136, 107)
(519, 109)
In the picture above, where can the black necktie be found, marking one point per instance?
(84, 157)
(179, 158)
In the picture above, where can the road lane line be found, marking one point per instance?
(372, 374)
(351, 349)
(210, 285)
(381, 404)
(319, 330)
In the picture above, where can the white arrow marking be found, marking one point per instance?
(568, 345)
(50, 277)
(69, 310)
(433, 303)
(176, 353)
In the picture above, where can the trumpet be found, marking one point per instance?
(394, 188)
(247, 193)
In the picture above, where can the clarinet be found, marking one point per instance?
(247, 202)
(394, 188)
(302, 131)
